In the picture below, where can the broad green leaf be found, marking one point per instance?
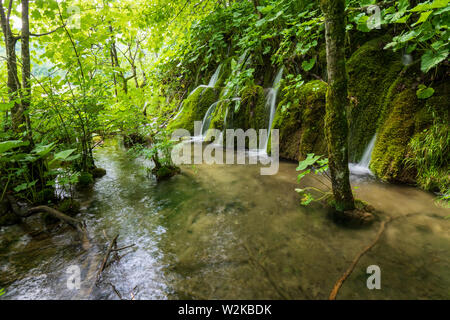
(8, 145)
(63, 155)
(431, 59)
(423, 92)
(308, 65)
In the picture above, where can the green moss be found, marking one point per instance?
(252, 112)
(85, 179)
(165, 172)
(299, 117)
(225, 72)
(98, 173)
(371, 72)
(69, 207)
(397, 125)
(194, 108)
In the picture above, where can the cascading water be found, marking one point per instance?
(271, 102)
(212, 81)
(215, 77)
(362, 167)
(207, 119)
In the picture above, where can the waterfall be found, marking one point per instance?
(215, 77)
(271, 102)
(207, 119)
(212, 81)
(362, 167)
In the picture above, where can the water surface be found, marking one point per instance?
(226, 232)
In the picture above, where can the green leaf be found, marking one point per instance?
(310, 160)
(431, 59)
(25, 186)
(43, 150)
(63, 155)
(308, 65)
(11, 144)
(423, 92)
(423, 17)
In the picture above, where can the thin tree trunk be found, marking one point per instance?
(17, 114)
(336, 127)
(26, 66)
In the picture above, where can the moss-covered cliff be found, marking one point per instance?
(371, 71)
(194, 108)
(299, 118)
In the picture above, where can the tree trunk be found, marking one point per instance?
(26, 66)
(336, 127)
(17, 114)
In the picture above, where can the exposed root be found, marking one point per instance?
(355, 261)
(75, 223)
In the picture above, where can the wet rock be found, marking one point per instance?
(98, 173)
(165, 172)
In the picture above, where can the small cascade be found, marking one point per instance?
(208, 116)
(271, 102)
(212, 81)
(215, 77)
(207, 119)
(362, 167)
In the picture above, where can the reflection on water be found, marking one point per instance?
(226, 232)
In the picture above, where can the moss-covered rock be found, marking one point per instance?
(371, 71)
(194, 108)
(252, 112)
(98, 173)
(85, 179)
(396, 127)
(69, 206)
(165, 172)
(299, 118)
(247, 113)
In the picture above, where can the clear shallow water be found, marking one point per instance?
(226, 232)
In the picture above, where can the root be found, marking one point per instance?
(355, 261)
(75, 223)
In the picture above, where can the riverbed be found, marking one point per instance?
(227, 232)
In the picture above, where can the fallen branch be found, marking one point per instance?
(75, 223)
(347, 273)
(105, 259)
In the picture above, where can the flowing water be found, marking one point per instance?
(271, 102)
(226, 232)
(362, 167)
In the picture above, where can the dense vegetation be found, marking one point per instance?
(74, 72)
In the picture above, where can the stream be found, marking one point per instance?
(227, 232)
